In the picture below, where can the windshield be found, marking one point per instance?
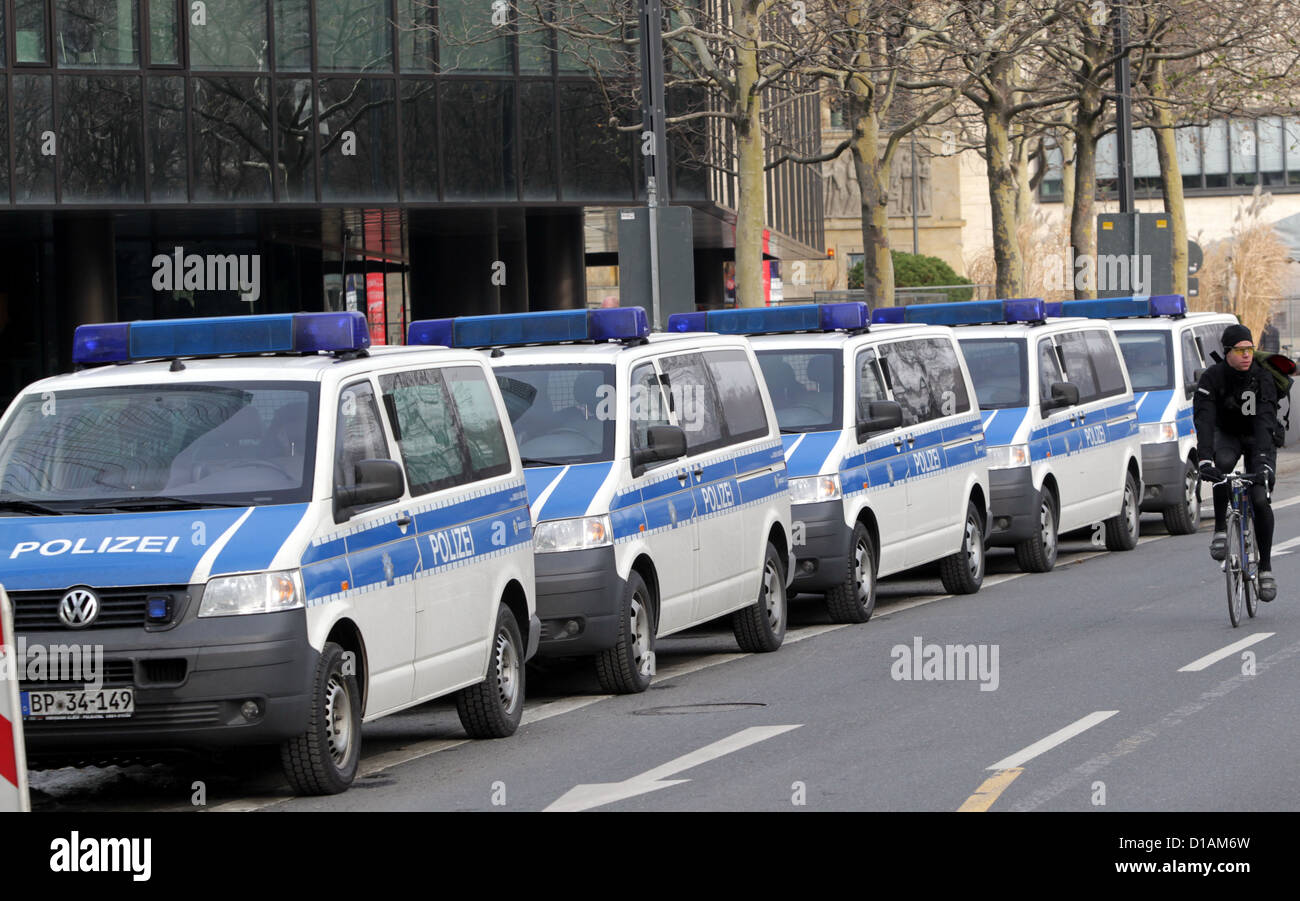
(1149, 358)
(160, 447)
(561, 414)
(1000, 370)
(806, 388)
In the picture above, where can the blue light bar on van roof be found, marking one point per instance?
(116, 342)
(553, 326)
(804, 317)
(1122, 307)
(969, 312)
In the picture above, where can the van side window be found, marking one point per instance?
(741, 399)
(948, 386)
(1078, 365)
(1105, 363)
(647, 405)
(1191, 357)
(694, 401)
(1211, 337)
(871, 387)
(479, 421)
(359, 434)
(1049, 370)
(425, 425)
(906, 362)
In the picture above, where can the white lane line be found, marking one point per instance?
(585, 797)
(1281, 550)
(1210, 659)
(1020, 758)
(1289, 502)
(554, 708)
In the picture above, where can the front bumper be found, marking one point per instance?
(190, 684)
(1163, 469)
(1013, 506)
(821, 546)
(579, 602)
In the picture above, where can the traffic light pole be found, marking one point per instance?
(655, 153)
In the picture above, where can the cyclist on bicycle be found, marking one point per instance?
(1236, 416)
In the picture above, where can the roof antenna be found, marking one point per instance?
(177, 365)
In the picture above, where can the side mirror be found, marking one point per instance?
(377, 482)
(1064, 394)
(1190, 387)
(882, 415)
(666, 442)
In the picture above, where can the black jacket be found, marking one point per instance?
(1220, 399)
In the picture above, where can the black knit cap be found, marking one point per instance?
(1235, 334)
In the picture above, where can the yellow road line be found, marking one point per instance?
(989, 792)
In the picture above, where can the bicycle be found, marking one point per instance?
(1240, 563)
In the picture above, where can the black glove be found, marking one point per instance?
(1209, 473)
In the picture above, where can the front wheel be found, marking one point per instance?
(761, 626)
(494, 707)
(1122, 529)
(1185, 518)
(963, 572)
(854, 599)
(627, 667)
(323, 760)
(1037, 553)
(1234, 572)
(1250, 588)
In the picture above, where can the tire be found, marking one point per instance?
(494, 707)
(1037, 554)
(628, 667)
(1232, 570)
(854, 599)
(1185, 518)
(963, 572)
(323, 760)
(760, 627)
(1122, 529)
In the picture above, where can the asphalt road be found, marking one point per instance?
(1092, 704)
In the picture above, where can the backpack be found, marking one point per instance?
(1281, 368)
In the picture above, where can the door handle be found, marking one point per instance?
(911, 441)
(1083, 416)
(404, 521)
(681, 478)
(898, 444)
(699, 473)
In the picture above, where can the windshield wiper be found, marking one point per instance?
(158, 502)
(799, 429)
(534, 461)
(19, 505)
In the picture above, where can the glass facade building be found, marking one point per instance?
(403, 157)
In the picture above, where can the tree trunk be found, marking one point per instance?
(1083, 232)
(1067, 170)
(1171, 176)
(1002, 196)
(873, 182)
(1024, 193)
(750, 203)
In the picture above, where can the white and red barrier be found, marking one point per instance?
(13, 755)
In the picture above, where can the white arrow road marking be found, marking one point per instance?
(1281, 550)
(1210, 659)
(1020, 758)
(585, 797)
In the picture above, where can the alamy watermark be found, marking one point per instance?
(181, 271)
(920, 662)
(1103, 272)
(58, 663)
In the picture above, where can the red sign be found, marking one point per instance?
(376, 312)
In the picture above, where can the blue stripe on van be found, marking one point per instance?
(574, 493)
(809, 457)
(254, 546)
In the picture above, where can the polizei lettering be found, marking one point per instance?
(112, 544)
(718, 497)
(451, 545)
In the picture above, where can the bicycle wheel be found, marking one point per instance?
(1232, 569)
(1251, 569)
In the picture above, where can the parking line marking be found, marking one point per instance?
(989, 791)
(1289, 502)
(1060, 736)
(554, 708)
(1210, 659)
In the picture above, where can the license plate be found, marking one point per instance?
(107, 703)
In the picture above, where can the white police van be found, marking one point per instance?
(883, 446)
(1059, 420)
(1166, 349)
(273, 532)
(656, 479)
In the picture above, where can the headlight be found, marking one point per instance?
(257, 593)
(572, 534)
(1008, 456)
(812, 490)
(1153, 432)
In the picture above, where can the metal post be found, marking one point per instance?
(1123, 112)
(656, 161)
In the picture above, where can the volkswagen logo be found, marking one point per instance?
(79, 608)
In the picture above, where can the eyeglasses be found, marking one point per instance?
(1244, 351)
